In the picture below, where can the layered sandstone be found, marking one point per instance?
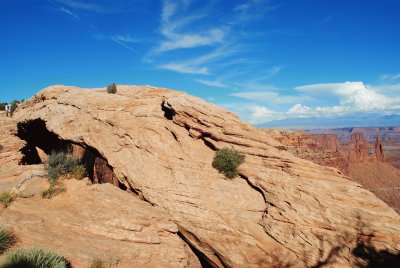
(159, 143)
(389, 139)
(362, 161)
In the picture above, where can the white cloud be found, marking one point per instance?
(195, 66)
(352, 98)
(69, 12)
(83, 5)
(121, 40)
(211, 83)
(390, 76)
(184, 68)
(126, 38)
(177, 41)
(174, 24)
(270, 97)
(299, 109)
(252, 9)
(116, 40)
(260, 114)
(355, 95)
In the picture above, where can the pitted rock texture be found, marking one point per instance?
(161, 143)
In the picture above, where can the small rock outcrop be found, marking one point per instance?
(379, 155)
(281, 211)
(358, 148)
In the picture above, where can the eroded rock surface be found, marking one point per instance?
(99, 222)
(161, 143)
(15, 177)
(362, 161)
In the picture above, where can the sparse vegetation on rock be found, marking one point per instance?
(7, 239)
(79, 172)
(55, 188)
(34, 258)
(97, 263)
(6, 198)
(227, 161)
(112, 89)
(63, 163)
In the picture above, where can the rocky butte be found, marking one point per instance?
(166, 206)
(362, 161)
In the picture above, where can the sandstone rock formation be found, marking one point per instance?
(389, 139)
(358, 159)
(159, 143)
(99, 222)
(14, 177)
(358, 148)
(379, 155)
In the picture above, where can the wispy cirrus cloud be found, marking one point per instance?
(183, 68)
(122, 40)
(178, 41)
(69, 12)
(197, 65)
(176, 30)
(83, 5)
(211, 83)
(251, 10)
(390, 76)
(270, 97)
(187, 26)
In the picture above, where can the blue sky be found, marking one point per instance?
(263, 59)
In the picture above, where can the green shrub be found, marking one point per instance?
(227, 161)
(112, 89)
(97, 263)
(60, 163)
(78, 172)
(7, 239)
(54, 189)
(6, 198)
(34, 258)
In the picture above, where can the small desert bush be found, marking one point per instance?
(34, 258)
(6, 198)
(112, 89)
(54, 189)
(60, 163)
(227, 161)
(97, 263)
(78, 172)
(7, 239)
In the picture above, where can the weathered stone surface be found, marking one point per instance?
(160, 144)
(98, 222)
(14, 177)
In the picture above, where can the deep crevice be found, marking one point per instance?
(258, 189)
(169, 113)
(209, 144)
(203, 259)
